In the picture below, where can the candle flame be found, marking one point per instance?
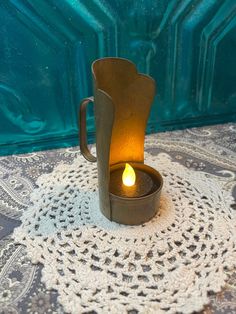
(128, 176)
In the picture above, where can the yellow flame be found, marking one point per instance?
(128, 176)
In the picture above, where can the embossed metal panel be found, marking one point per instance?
(47, 47)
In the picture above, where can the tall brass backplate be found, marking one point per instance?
(122, 99)
(132, 95)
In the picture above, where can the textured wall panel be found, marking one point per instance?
(47, 46)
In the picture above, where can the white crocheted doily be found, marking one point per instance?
(168, 264)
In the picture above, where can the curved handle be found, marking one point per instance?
(83, 131)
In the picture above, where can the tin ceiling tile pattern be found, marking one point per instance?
(187, 46)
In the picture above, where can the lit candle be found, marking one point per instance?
(130, 182)
(128, 176)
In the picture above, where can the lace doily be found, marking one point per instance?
(168, 264)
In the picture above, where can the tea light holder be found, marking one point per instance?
(129, 190)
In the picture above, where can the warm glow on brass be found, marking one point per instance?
(128, 176)
(128, 193)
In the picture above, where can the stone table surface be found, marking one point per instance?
(210, 149)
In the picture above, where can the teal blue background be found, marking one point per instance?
(47, 47)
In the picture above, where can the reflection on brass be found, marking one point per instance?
(131, 95)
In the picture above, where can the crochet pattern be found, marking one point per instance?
(168, 264)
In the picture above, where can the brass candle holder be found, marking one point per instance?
(129, 190)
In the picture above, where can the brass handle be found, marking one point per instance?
(83, 130)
